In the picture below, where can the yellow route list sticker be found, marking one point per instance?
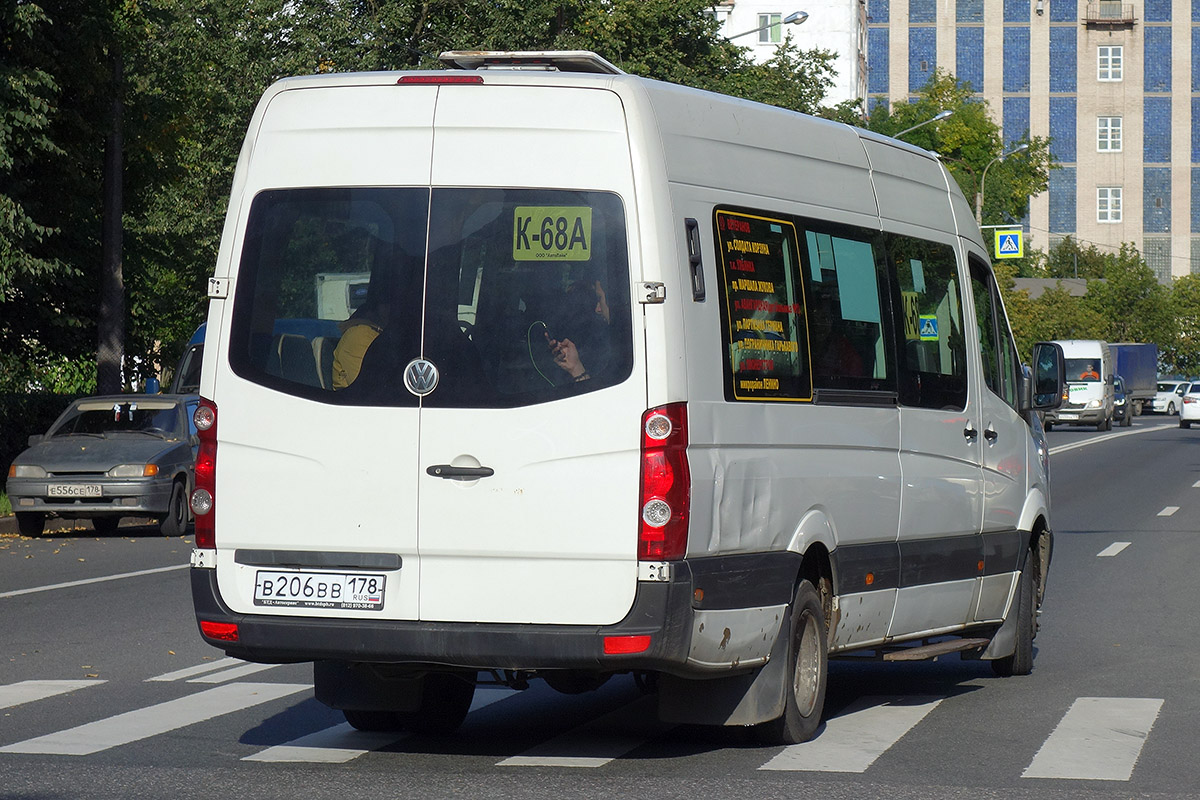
(552, 233)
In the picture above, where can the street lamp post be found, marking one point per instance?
(983, 179)
(795, 18)
(936, 118)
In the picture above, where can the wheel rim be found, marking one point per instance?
(806, 680)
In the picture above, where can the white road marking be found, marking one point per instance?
(14, 694)
(335, 745)
(599, 741)
(1099, 738)
(1196, 485)
(853, 740)
(143, 723)
(199, 669)
(87, 581)
(1112, 549)
(1108, 437)
(1168, 511)
(342, 743)
(237, 672)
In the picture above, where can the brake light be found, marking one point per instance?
(224, 631)
(425, 80)
(666, 484)
(204, 495)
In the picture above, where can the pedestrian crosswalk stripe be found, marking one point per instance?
(335, 745)
(1099, 738)
(142, 723)
(234, 673)
(14, 694)
(199, 669)
(853, 740)
(343, 743)
(599, 741)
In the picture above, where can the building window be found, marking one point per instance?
(1110, 63)
(772, 34)
(1108, 134)
(1108, 204)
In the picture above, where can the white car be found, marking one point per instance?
(1189, 411)
(1169, 399)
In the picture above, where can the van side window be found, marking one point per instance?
(762, 309)
(933, 360)
(845, 287)
(1000, 362)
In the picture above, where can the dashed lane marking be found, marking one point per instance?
(1168, 511)
(1112, 550)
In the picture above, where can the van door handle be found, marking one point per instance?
(970, 431)
(459, 473)
(990, 434)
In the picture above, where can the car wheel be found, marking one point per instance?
(1125, 423)
(31, 523)
(175, 522)
(1183, 423)
(1021, 661)
(444, 703)
(1170, 409)
(1047, 426)
(106, 526)
(807, 672)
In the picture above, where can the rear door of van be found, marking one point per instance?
(479, 453)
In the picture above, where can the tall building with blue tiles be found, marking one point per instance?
(1114, 85)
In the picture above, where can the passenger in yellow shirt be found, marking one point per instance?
(358, 332)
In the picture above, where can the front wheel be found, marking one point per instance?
(807, 672)
(31, 523)
(1170, 409)
(1025, 607)
(175, 522)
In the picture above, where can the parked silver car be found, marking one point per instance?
(109, 457)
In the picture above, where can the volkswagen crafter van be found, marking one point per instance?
(644, 380)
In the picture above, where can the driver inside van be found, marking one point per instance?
(1089, 373)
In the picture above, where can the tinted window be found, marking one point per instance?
(515, 296)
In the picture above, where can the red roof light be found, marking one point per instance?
(426, 80)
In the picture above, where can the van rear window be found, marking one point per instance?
(513, 296)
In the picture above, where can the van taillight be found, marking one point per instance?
(204, 495)
(666, 484)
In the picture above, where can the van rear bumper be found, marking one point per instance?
(665, 611)
(660, 610)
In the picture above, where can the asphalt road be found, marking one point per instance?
(107, 691)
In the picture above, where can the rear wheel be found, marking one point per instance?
(31, 523)
(1021, 660)
(1183, 423)
(106, 526)
(175, 522)
(807, 672)
(445, 700)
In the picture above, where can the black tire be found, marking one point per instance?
(31, 523)
(106, 526)
(1185, 424)
(1047, 426)
(807, 672)
(1125, 423)
(445, 700)
(1021, 661)
(1170, 409)
(176, 520)
(375, 720)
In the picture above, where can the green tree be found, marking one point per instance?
(1132, 303)
(1183, 354)
(970, 144)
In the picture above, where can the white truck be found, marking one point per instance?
(1089, 394)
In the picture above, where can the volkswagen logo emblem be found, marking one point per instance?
(420, 377)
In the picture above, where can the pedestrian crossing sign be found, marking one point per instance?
(1009, 243)
(928, 328)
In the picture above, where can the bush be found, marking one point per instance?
(24, 415)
